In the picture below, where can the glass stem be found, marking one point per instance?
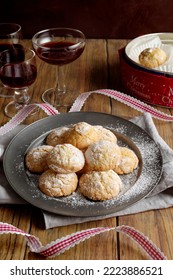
(60, 87)
(21, 97)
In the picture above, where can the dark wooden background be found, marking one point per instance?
(96, 18)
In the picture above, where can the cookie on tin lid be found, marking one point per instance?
(152, 57)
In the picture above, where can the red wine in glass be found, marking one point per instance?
(17, 71)
(18, 75)
(14, 71)
(6, 46)
(10, 38)
(59, 53)
(59, 46)
(14, 55)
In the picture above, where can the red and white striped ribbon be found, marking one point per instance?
(24, 113)
(79, 102)
(59, 246)
(124, 98)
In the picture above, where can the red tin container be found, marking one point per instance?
(150, 85)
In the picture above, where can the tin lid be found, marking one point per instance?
(151, 40)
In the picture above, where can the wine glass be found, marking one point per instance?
(59, 46)
(10, 36)
(17, 71)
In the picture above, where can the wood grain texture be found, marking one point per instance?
(97, 68)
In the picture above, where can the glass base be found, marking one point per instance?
(60, 99)
(11, 109)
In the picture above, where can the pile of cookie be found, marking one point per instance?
(84, 157)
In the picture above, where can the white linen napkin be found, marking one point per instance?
(161, 197)
(7, 195)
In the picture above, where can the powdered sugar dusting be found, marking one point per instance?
(143, 151)
(83, 128)
(136, 185)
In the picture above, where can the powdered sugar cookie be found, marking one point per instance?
(100, 185)
(81, 135)
(105, 134)
(101, 156)
(36, 158)
(56, 136)
(129, 161)
(65, 158)
(54, 184)
(152, 57)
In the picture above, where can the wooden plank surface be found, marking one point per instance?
(97, 68)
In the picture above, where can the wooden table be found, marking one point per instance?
(97, 68)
